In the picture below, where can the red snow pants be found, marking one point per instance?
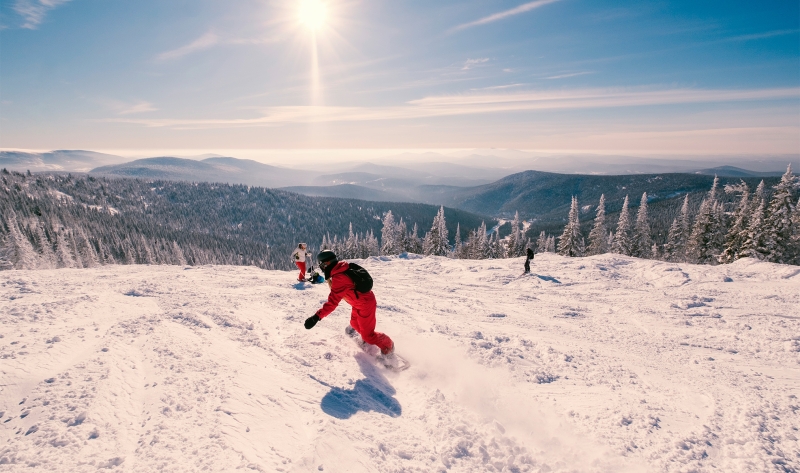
(362, 319)
(302, 266)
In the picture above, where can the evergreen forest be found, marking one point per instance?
(74, 221)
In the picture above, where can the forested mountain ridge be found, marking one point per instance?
(547, 196)
(53, 220)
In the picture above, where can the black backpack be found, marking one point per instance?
(360, 278)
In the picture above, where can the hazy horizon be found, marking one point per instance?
(508, 160)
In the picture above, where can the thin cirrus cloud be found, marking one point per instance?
(204, 42)
(570, 74)
(470, 63)
(34, 11)
(472, 104)
(210, 40)
(140, 107)
(525, 7)
(764, 35)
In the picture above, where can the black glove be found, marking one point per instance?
(311, 321)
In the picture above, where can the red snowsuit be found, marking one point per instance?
(301, 265)
(362, 318)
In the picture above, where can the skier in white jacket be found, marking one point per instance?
(299, 257)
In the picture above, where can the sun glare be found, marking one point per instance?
(312, 14)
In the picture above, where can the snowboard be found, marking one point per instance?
(315, 277)
(393, 362)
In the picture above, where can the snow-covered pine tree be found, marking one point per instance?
(622, 237)
(414, 242)
(350, 245)
(672, 247)
(64, 255)
(737, 233)
(483, 248)
(551, 244)
(496, 249)
(699, 248)
(436, 242)
(682, 236)
(597, 237)
(373, 247)
(511, 239)
(388, 237)
(754, 242)
(401, 237)
(444, 247)
(128, 252)
(796, 232)
(778, 223)
(468, 247)
(642, 242)
(6, 255)
(541, 243)
(571, 241)
(104, 255)
(147, 255)
(47, 257)
(720, 228)
(704, 246)
(457, 247)
(177, 254)
(18, 251)
(515, 239)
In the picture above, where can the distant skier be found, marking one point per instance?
(299, 256)
(528, 261)
(362, 317)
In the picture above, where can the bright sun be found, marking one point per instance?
(312, 14)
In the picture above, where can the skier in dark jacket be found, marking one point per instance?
(362, 317)
(528, 261)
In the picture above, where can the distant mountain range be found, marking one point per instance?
(221, 169)
(417, 177)
(58, 160)
(733, 171)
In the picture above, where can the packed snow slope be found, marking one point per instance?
(606, 363)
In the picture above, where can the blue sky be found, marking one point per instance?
(679, 77)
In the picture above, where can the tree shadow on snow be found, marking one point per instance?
(373, 393)
(548, 278)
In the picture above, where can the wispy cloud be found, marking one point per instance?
(766, 34)
(210, 40)
(121, 107)
(139, 107)
(204, 42)
(470, 63)
(34, 11)
(505, 14)
(470, 104)
(571, 74)
(498, 87)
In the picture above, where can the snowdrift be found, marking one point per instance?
(605, 363)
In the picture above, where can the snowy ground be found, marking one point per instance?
(594, 364)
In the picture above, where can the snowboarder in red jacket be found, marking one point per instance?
(300, 256)
(362, 318)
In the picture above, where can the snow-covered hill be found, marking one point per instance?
(605, 363)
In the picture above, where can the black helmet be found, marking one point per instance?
(326, 255)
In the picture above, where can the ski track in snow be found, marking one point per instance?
(604, 363)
